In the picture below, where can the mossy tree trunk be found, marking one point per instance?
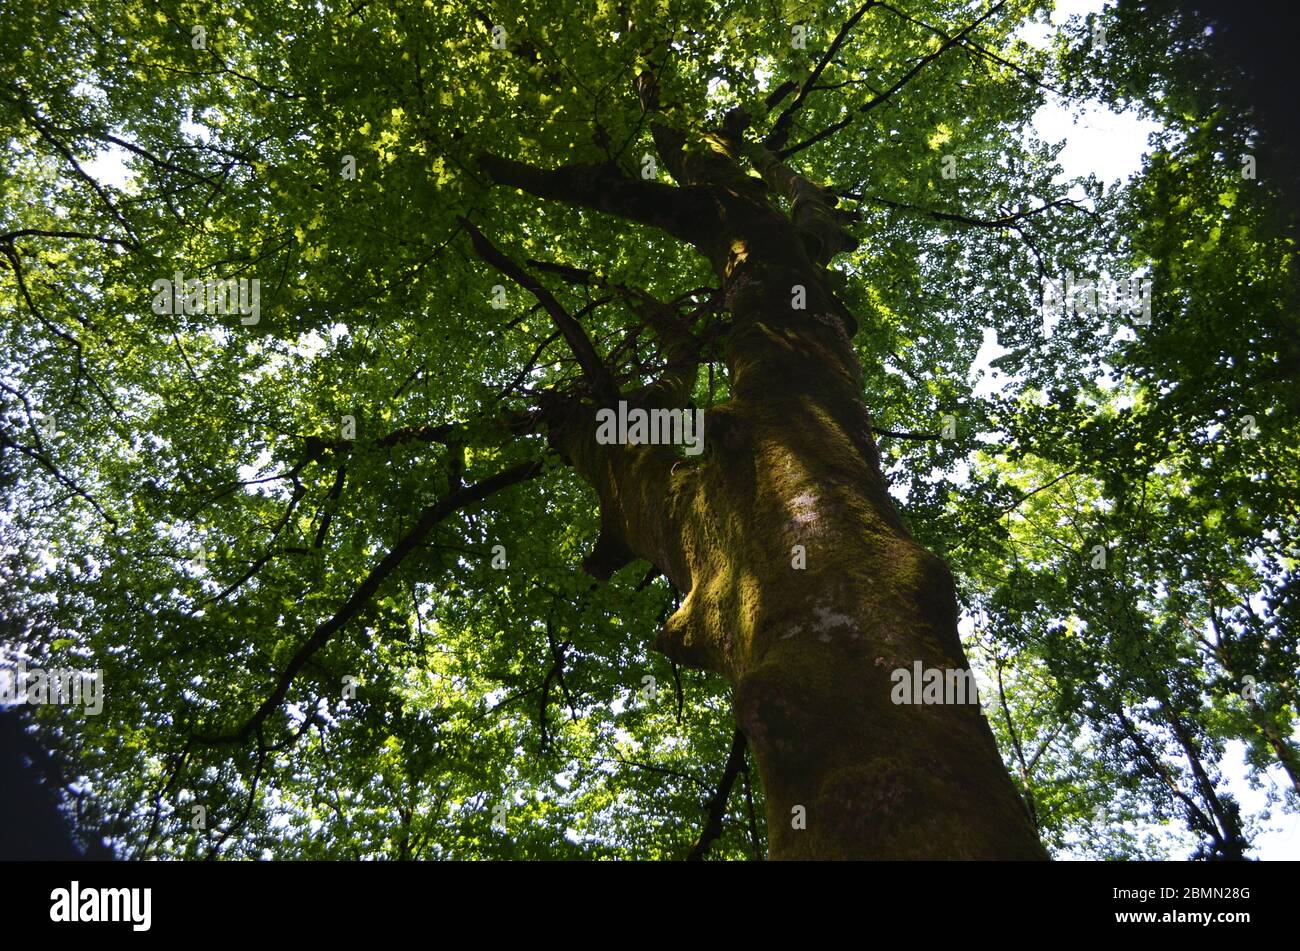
(807, 636)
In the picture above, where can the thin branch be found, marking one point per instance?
(1003, 511)
(430, 516)
(972, 45)
(557, 658)
(46, 133)
(781, 129)
(888, 93)
(749, 802)
(54, 470)
(298, 492)
(718, 804)
(1007, 221)
(1028, 793)
(331, 502)
(904, 435)
(593, 367)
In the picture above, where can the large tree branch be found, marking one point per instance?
(9, 236)
(1195, 815)
(811, 207)
(669, 142)
(681, 212)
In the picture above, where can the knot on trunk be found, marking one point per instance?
(685, 640)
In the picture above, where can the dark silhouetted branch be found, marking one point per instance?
(718, 805)
(888, 93)
(603, 187)
(781, 130)
(430, 516)
(593, 367)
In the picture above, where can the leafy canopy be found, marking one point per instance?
(194, 499)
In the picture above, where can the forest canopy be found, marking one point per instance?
(287, 415)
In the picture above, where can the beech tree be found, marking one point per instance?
(307, 443)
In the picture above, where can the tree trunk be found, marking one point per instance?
(790, 461)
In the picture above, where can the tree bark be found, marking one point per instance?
(790, 460)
